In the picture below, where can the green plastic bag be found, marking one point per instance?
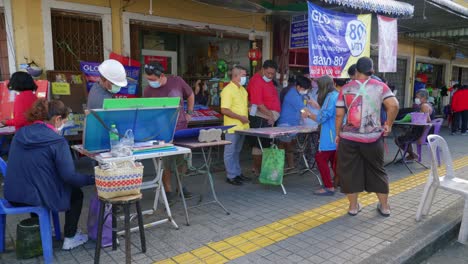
(272, 166)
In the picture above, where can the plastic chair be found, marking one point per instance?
(437, 124)
(7, 208)
(447, 182)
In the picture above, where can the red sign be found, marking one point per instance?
(160, 59)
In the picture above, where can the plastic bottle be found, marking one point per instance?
(114, 139)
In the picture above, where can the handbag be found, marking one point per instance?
(116, 179)
(272, 166)
(93, 220)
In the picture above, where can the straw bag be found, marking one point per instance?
(118, 179)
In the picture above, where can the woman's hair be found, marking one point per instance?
(423, 93)
(43, 110)
(22, 81)
(325, 86)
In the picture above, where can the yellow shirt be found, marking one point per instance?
(235, 99)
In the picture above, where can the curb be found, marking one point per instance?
(419, 244)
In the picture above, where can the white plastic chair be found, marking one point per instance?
(448, 182)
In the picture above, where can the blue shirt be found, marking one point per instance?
(313, 94)
(291, 109)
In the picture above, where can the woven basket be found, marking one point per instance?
(120, 179)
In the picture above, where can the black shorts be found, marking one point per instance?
(361, 167)
(258, 122)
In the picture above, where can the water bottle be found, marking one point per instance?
(114, 139)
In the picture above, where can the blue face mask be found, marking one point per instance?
(154, 84)
(243, 80)
(266, 79)
(115, 89)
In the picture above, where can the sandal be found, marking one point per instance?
(384, 213)
(355, 211)
(324, 192)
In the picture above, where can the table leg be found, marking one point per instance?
(210, 177)
(181, 190)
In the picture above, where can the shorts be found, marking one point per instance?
(361, 167)
(168, 162)
(258, 122)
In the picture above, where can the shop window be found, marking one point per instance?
(76, 37)
(396, 79)
(4, 70)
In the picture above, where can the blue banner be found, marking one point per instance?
(299, 32)
(336, 41)
(90, 70)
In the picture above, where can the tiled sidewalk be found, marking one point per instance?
(268, 227)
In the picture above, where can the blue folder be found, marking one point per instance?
(194, 132)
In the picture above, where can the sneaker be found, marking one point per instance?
(76, 241)
(187, 193)
(236, 181)
(171, 197)
(244, 178)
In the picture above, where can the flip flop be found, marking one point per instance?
(382, 213)
(325, 193)
(359, 209)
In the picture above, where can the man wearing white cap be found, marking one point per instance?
(113, 77)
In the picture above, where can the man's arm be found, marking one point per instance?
(262, 108)
(190, 102)
(340, 113)
(391, 106)
(228, 112)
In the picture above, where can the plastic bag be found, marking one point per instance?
(93, 215)
(272, 166)
(125, 146)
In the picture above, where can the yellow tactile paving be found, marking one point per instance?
(263, 236)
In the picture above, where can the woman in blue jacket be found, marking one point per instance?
(327, 96)
(41, 171)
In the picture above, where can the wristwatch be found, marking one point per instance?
(190, 112)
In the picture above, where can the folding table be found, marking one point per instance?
(277, 132)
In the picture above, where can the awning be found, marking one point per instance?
(389, 7)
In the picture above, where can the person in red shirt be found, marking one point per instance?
(460, 109)
(23, 83)
(265, 107)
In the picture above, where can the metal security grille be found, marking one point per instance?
(76, 37)
(398, 79)
(4, 70)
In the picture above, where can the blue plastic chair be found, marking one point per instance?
(44, 221)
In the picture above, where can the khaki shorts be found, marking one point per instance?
(168, 162)
(361, 167)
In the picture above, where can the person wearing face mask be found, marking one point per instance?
(41, 171)
(420, 105)
(234, 107)
(292, 114)
(265, 107)
(199, 90)
(113, 77)
(162, 85)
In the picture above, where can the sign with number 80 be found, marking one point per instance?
(356, 37)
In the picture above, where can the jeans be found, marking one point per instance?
(72, 216)
(460, 117)
(232, 155)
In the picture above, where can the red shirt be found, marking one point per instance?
(23, 102)
(263, 93)
(460, 100)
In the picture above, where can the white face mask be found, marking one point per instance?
(266, 79)
(60, 127)
(303, 92)
(417, 101)
(243, 80)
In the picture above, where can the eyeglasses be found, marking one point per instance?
(150, 70)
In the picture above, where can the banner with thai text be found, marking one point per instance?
(336, 41)
(388, 44)
(90, 70)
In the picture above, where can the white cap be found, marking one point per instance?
(113, 71)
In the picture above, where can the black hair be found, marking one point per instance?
(325, 86)
(270, 64)
(303, 82)
(22, 81)
(352, 70)
(341, 81)
(154, 68)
